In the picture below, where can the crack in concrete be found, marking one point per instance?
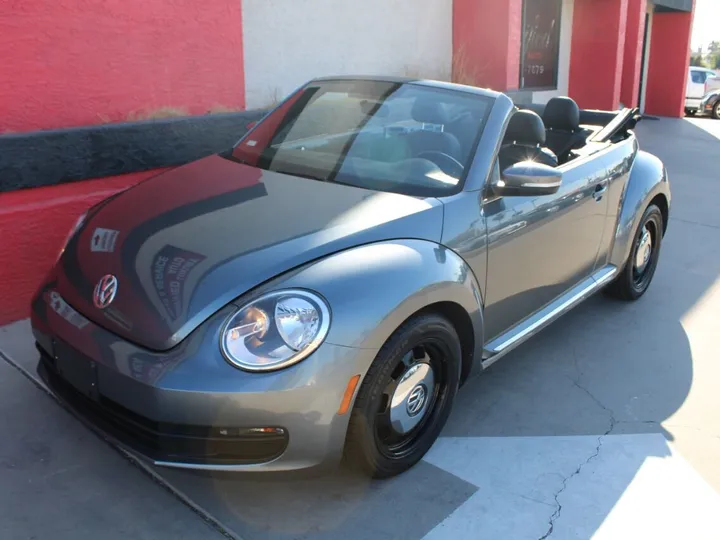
(613, 424)
(695, 223)
(558, 506)
(531, 499)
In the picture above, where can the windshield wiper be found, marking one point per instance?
(300, 175)
(228, 154)
(231, 157)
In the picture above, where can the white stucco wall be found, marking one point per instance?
(566, 20)
(287, 42)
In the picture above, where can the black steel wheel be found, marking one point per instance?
(405, 398)
(635, 277)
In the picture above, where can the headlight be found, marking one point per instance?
(276, 330)
(75, 228)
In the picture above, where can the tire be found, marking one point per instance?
(633, 281)
(690, 112)
(716, 110)
(373, 444)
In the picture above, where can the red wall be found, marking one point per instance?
(598, 45)
(71, 63)
(632, 56)
(486, 42)
(34, 223)
(668, 65)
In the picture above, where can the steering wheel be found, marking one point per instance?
(448, 164)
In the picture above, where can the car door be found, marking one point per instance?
(539, 247)
(712, 83)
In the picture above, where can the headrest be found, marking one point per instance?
(562, 113)
(426, 109)
(525, 127)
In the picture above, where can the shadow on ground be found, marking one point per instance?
(607, 367)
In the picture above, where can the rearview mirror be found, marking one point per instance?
(528, 178)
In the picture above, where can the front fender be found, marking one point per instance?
(373, 289)
(648, 179)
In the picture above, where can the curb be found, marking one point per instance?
(138, 462)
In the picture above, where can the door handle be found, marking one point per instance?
(600, 190)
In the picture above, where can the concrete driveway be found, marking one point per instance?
(606, 425)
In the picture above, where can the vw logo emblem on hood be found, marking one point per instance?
(416, 400)
(105, 291)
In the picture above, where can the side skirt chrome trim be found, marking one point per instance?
(506, 342)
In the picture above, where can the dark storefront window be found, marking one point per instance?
(540, 44)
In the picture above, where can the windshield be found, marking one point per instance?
(389, 136)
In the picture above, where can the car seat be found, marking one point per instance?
(429, 111)
(524, 140)
(562, 123)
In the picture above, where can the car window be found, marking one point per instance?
(698, 76)
(400, 137)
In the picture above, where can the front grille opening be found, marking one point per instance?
(222, 445)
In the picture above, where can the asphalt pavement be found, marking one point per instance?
(606, 425)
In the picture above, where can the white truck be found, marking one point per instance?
(701, 81)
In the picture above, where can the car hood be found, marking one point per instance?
(187, 242)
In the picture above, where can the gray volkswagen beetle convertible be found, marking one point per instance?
(324, 288)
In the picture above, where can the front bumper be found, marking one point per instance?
(187, 407)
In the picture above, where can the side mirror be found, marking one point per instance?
(528, 178)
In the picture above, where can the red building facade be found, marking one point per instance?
(633, 52)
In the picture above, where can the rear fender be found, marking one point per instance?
(373, 289)
(648, 179)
